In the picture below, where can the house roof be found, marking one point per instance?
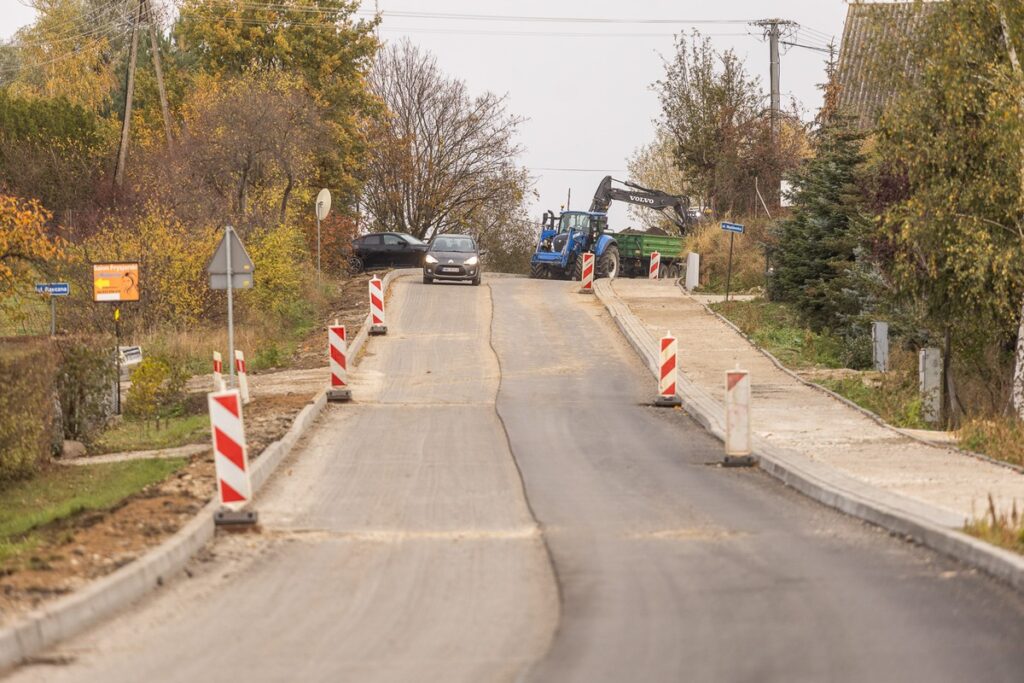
(870, 58)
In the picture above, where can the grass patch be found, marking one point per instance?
(61, 492)
(776, 328)
(1001, 437)
(1005, 530)
(138, 435)
(893, 396)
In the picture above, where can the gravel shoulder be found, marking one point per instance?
(791, 415)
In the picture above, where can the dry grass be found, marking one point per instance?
(999, 437)
(1004, 529)
(748, 262)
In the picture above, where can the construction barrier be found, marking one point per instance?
(667, 372)
(337, 349)
(587, 274)
(655, 271)
(377, 319)
(230, 455)
(243, 379)
(218, 372)
(737, 418)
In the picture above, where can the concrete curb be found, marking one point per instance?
(69, 616)
(928, 525)
(842, 399)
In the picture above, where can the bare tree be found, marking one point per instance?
(441, 155)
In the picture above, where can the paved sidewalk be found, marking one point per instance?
(791, 415)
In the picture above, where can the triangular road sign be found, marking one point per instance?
(240, 261)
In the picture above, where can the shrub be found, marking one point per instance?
(26, 406)
(85, 381)
(157, 389)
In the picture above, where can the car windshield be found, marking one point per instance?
(453, 244)
(410, 239)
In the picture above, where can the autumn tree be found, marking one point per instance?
(26, 248)
(319, 42)
(954, 139)
(714, 112)
(69, 52)
(248, 144)
(441, 156)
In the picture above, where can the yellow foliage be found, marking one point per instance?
(172, 260)
(24, 243)
(277, 253)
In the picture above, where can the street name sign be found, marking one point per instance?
(53, 288)
(733, 227)
(115, 282)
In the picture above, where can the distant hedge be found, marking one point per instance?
(27, 375)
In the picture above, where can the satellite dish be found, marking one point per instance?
(323, 204)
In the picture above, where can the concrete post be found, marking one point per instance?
(692, 271)
(930, 380)
(880, 345)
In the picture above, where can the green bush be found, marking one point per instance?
(157, 391)
(26, 406)
(85, 381)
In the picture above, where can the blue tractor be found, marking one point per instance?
(565, 238)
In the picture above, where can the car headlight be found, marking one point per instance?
(430, 259)
(472, 261)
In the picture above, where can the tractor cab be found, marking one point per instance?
(564, 238)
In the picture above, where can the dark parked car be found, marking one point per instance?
(452, 257)
(386, 249)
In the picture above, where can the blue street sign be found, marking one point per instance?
(53, 288)
(732, 227)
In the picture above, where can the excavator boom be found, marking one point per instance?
(642, 196)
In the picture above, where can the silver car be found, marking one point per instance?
(452, 257)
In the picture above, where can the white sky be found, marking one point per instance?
(588, 98)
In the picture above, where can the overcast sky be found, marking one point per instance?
(585, 87)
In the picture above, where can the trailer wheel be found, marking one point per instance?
(608, 264)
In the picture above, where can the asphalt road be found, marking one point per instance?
(411, 540)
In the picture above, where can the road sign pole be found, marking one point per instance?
(117, 359)
(231, 303)
(318, 205)
(53, 316)
(728, 276)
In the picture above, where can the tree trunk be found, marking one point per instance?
(951, 404)
(122, 151)
(1018, 370)
(158, 67)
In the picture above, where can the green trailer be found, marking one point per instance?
(635, 248)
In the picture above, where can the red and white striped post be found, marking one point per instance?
(230, 457)
(218, 372)
(655, 271)
(587, 274)
(737, 419)
(337, 349)
(667, 367)
(243, 378)
(377, 320)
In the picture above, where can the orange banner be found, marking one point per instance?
(115, 282)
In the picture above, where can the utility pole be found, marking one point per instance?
(773, 31)
(155, 50)
(122, 150)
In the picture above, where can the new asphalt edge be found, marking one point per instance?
(925, 524)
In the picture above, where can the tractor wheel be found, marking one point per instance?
(577, 269)
(608, 264)
(536, 271)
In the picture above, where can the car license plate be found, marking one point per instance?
(449, 270)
